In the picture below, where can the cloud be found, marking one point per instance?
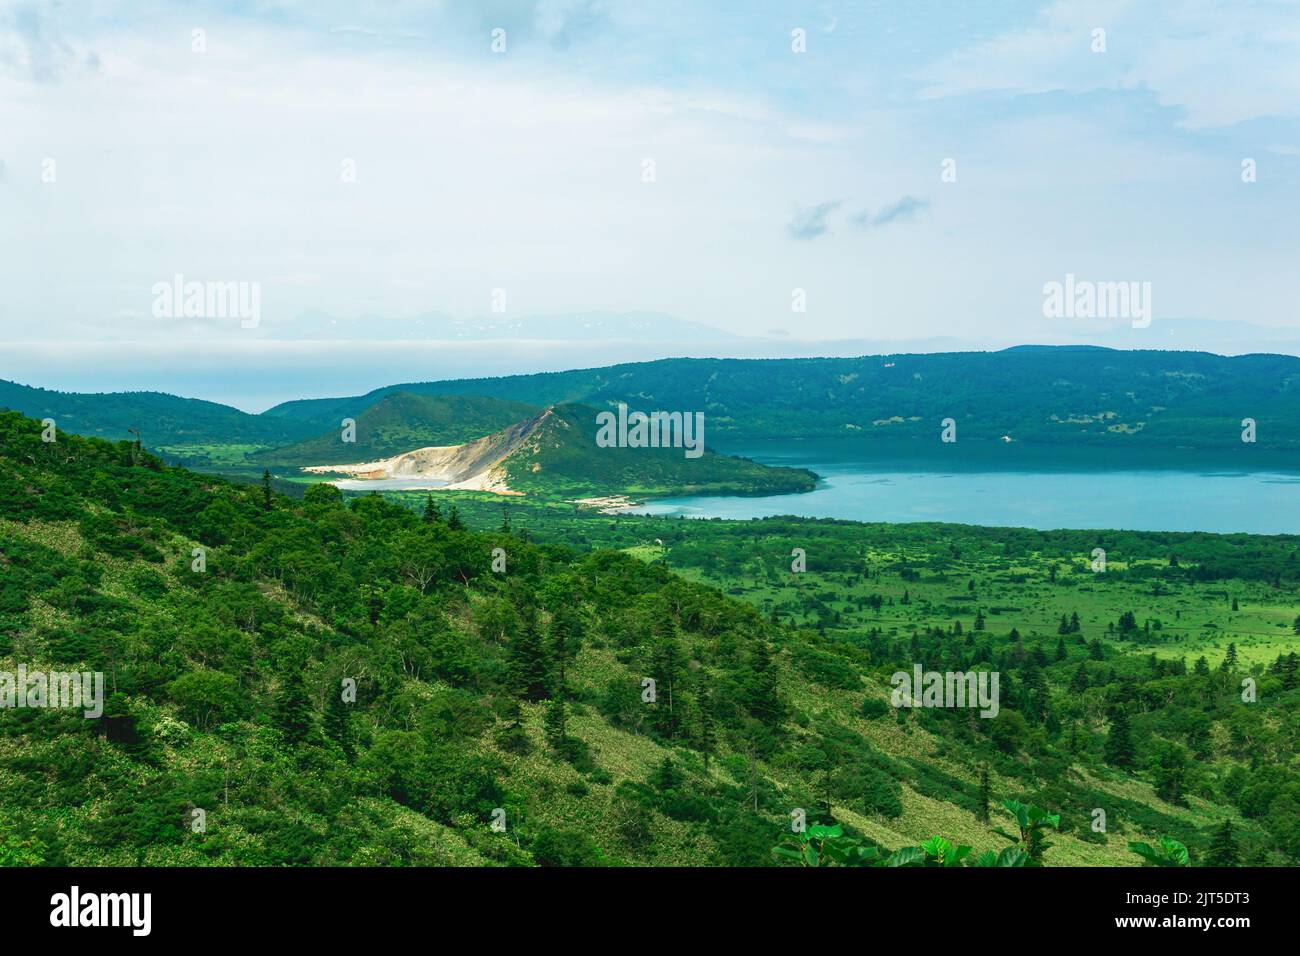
(33, 45)
(810, 223)
(1253, 49)
(906, 209)
(565, 23)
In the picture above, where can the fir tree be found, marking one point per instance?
(266, 489)
(1223, 848)
(453, 519)
(432, 513)
(706, 741)
(1119, 741)
(335, 722)
(1291, 671)
(526, 661)
(1080, 682)
(667, 666)
(557, 724)
(566, 638)
(293, 710)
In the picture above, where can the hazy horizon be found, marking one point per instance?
(255, 383)
(787, 174)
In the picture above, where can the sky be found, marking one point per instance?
(795, 174)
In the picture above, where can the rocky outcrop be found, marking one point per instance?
(473, 466)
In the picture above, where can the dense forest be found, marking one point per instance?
(424, 679)
(1074, 395)
(1058, 396)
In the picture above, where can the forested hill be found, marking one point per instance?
(161, 419)
(519, 691)
(596, 708)
(1037, 394)
(400, 422)
(1074, 395)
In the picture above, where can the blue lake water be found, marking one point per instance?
(1033, 487)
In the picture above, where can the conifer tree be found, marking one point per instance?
(453, 519)
(706, 739)
(526, 660)
(556, 724)
(335, 722)
(293, 710)
(566, 638)
(1291, 671)
(1223, 848)
(1119, 741)
(1080, 681)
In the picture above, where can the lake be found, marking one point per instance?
(987, 483)
(388, 484)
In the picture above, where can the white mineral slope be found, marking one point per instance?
(473, 466)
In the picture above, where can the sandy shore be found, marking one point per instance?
(608, 504)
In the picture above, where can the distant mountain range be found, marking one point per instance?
(1039, 394)
(578, 326)
(1042, 394)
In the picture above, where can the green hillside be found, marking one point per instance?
(562, 458)
(519, 696)
(181, 428)
(1074, 395)
(1078, 396)
(400, 422)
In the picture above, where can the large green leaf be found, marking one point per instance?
(1175, 851)
(822, 832)
(906, 856)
